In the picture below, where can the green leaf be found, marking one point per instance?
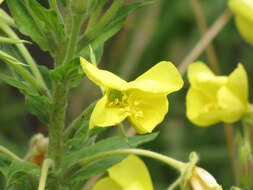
(79, 127)
(70, 73)
(47, 22)
(23, 175)
(12, 40)
(100, 166)
(26, 24)
(21, 85)
(39, 106)
(113, 26)
(12, 50)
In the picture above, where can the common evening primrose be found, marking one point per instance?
(143, 101)
(202, 180)
(212, 98)
(243, 11)
(129, 174)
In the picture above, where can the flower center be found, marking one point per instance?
(117, 98)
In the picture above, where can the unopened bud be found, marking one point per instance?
(38, 149)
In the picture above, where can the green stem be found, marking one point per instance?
(26, 56)
(75, 31)
(106, 18)
(175, 184)
(44, 172)
(84, 41)
(248, 154)
(9, 153)
(53, 4)
(56, 127)
(5, 18)
(165, 159)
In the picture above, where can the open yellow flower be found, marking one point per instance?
(143, 101)
(212, 98)
(129, 174)
(243, 11)
(202, 180)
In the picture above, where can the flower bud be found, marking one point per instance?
(202, 180)
(243, 12)
(38, 149)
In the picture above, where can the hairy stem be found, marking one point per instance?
(56, 127)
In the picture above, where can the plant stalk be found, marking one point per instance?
(56, 127)
(178, 165)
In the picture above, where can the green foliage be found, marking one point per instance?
(71, 74)
(39, 106)
(26, 24)
(111, 28)
(19, 174)
(113, 143)
(41, 24)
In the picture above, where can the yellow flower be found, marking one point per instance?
(1, 1)
(130, 174)
(243, 11)
(202, 180)
(212, 99)
(143, 101)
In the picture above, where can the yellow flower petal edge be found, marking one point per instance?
(1, 1)
(102, 77)
(243, 11)
(242, 8)
(161, 78)
(106, 183)
(131, 173)
(245, 28)
(212, 99)
(144, 100)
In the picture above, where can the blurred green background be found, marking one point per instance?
(165, 30)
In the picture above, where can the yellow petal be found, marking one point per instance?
(104, 115)
(106, 183)
(1, 1)
(242, 8)
(200, 109)
(131, 174)
(161, 78)
(198, 72)
(245, 28)
(147, 110)
(102, 77)
(238, 84)
(231, 107)
(202, 78)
